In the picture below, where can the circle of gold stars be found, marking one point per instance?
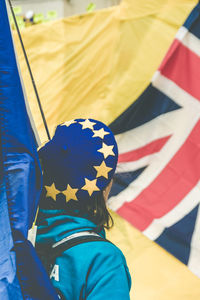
(102, 170)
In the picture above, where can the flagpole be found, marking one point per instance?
(30, 71)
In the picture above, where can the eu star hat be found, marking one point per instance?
(79, 161)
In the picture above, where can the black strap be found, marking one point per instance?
(58, 250)
(48, 254)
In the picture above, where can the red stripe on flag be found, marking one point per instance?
(174, 182)
(148, 149)
(182, 66)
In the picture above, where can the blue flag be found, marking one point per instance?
(22, 275)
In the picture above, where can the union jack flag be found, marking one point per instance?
(157, 183)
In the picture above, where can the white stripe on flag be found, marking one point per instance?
(176, 93)
(189, 40)
(181, 33)
(176, 214)
(135, 165)
(145, 134)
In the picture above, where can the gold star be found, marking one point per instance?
(102, 170)
(90, 186)
(70, 193)
(100, 133)
(52, 191)
(68, 123)
(106, 150)
(87, 124)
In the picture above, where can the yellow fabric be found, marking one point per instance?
(96, 65)
(156, 275)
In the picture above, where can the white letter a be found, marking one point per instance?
(55, 273)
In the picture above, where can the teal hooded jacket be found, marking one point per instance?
(91, 270)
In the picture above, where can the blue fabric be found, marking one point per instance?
(20, 181)
(122, 181)
(177, 238)
(150, 104)
(192, 22)
(92, 270)
(9, 285)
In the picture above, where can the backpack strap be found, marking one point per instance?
(73, 240)
(49, 253)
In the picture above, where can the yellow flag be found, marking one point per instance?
(96, 65)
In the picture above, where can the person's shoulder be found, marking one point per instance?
(106, 250)
(99, 251)
(108, 261)
(111, 248)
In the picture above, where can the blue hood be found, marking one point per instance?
(54, 225)
(94, 270)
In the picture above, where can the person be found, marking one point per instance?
(78, 167)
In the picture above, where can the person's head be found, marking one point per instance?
(78, 166)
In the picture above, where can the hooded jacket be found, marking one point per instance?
(91, 270)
